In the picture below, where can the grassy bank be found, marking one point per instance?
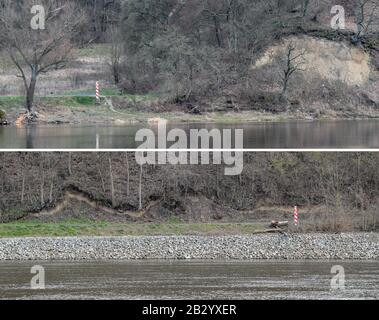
(74, 108)
(102, 228)
(80, 108)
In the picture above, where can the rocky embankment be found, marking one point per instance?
(359, 246)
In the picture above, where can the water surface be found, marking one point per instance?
(352, 134)
(190, 280)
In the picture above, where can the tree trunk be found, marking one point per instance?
(23, 188)
(112, 182)
(42, 185)
(116, 73)
(100, 173)
(51, 191)
(217, 31)
(285, 87)
(305, 6)
(69, 163)
(30, 94)
(140, 188)
(128, 175)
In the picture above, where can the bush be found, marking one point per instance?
(263, 101)
(87, 101)
(2, 116)
(11, 215)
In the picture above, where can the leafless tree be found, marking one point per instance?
(115, 53)
(292, 64)
(127, 175)
(305, 6)
(70, 163)
(366, 13)
(23, 186)
(99, 170)
(111, 181)
(140, 188)
(42, 181)
(35, 52)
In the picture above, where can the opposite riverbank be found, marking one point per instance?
(355, 246)
(124, 110)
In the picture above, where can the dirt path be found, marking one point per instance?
(81, 197)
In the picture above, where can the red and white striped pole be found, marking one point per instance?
(296, 217)
(97, 92)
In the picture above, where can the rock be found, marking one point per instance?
(157, 121)
(119, 122)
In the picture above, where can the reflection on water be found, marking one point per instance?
(329, 134)
(190, 280)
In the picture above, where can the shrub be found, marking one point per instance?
(2, 116)
(85, 100)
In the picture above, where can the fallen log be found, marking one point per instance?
(279, 224)
(275, 226)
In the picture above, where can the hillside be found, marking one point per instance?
(201, 57)
(334, 191)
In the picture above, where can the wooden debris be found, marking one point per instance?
(275, 226)
(279, 224)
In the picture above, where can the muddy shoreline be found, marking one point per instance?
(94, 115)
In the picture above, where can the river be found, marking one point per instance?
(346, 134)
(190, 280)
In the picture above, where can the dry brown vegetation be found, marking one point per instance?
(198, 54)
(335, 191)
(36, 52)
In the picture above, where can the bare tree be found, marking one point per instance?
(292, 63)
(366, 13)
(42, 181)
(70, 163)
(98, 167)
(35, 52)
(140, 188)
(23, 186)
(115, 53)
(304, 6)
(127, 175)
(111, 181)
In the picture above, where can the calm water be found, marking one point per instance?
(190, 280)
(354, 134)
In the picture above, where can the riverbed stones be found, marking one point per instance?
(359, 246)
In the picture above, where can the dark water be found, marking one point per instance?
(353, 134)
(190, 280)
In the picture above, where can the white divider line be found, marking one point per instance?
(198, 150)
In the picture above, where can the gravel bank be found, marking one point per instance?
(359, 246)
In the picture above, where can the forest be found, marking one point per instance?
(206, 55)
(341, 186)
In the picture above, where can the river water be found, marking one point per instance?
(190, 280)
(352, 134)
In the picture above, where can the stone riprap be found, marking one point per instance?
(358, 246)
